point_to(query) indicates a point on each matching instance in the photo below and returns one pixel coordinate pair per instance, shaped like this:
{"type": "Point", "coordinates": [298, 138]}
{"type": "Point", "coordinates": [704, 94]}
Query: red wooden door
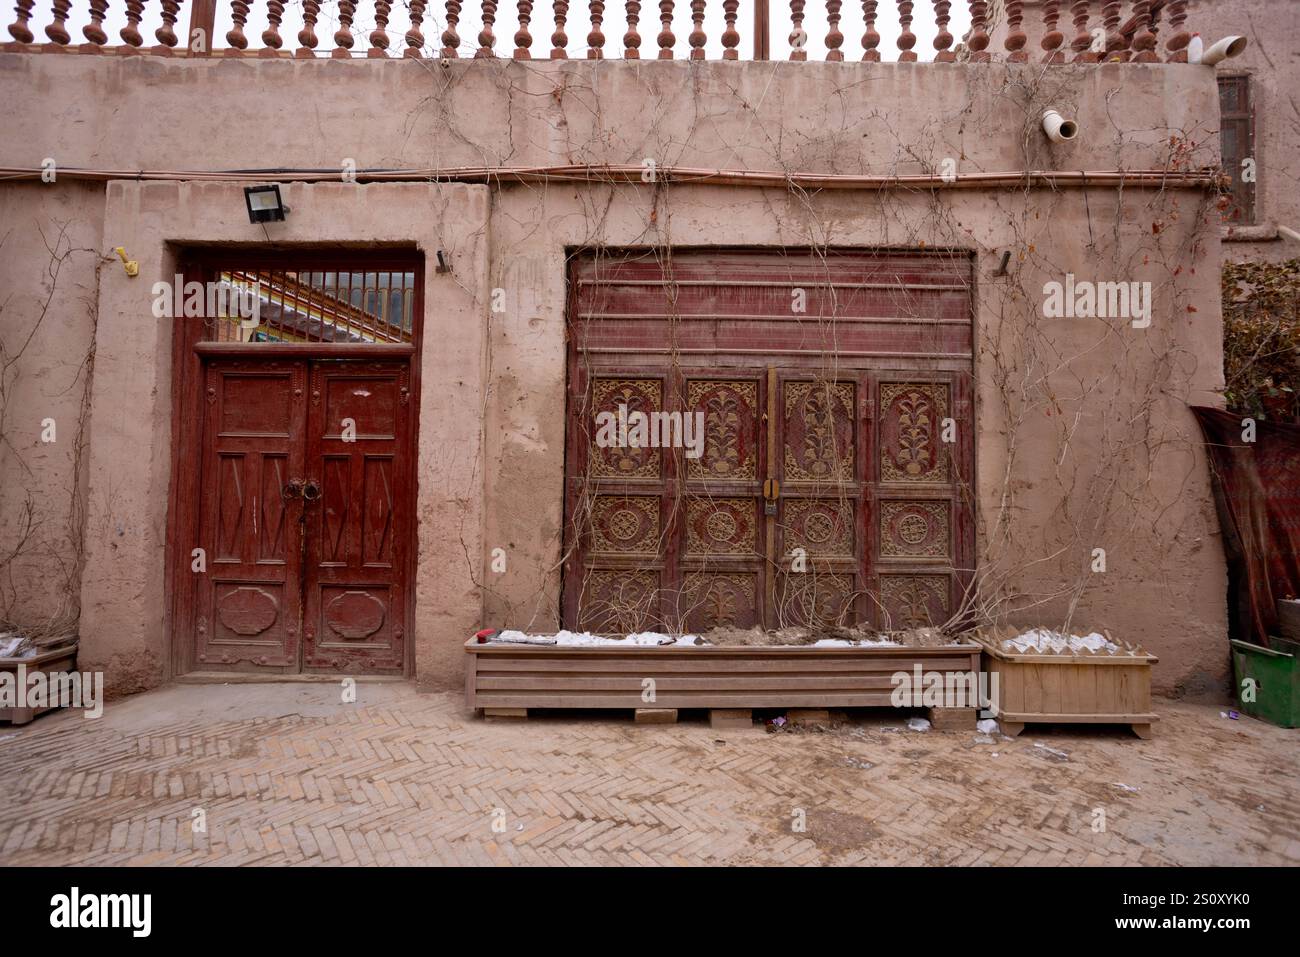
{"type": "Point", "coordinates": [249, 596]}
{"type": "Point", "coordinates": [357, 440]}
{"type": "Point", "coordinates": [303, 515]}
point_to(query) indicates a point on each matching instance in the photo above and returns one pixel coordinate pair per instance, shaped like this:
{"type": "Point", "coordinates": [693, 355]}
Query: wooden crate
{"type": "Point", "coordinates": [59, 660]}
{"type": "Point", "coordinates": [1069, 688]}
{"type": "Point", "coordinates": [506, 680]}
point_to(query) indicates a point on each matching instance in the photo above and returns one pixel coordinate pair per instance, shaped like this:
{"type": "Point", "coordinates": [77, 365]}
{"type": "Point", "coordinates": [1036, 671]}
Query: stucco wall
{"type": "Point", "coordinates": [1064, 406]}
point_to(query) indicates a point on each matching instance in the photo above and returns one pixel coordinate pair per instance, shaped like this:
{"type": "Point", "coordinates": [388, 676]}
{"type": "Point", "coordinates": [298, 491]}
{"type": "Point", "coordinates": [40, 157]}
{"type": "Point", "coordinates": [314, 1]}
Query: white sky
{"type": "Point", "coordinates": [851, 25]}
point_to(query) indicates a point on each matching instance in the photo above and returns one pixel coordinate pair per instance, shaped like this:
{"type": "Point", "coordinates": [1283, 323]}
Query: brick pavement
{"type": "Point", "coordinates": [286, 774]}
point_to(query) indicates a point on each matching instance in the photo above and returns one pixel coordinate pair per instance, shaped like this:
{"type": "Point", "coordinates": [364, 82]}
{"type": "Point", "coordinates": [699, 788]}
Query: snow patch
{"type": "Point", "coordinates": [1044, 639]}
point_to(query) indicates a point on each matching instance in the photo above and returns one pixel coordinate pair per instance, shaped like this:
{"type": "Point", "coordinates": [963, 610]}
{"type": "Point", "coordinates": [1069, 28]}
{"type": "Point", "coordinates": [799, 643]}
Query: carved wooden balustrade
{"type": "Point", "coordinates": [943, 31]}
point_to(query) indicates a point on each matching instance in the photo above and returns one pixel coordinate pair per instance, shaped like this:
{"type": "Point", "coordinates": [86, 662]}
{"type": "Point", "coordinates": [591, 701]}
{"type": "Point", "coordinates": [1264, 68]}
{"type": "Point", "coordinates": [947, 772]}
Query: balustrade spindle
{"type": "Point", "coordinates": [870, 39]}
{"type": "Point", "coordinates": [1082, 43]}
{"type": "Point", "coordinates": [1144, 34]}
{"type": "Point", "coordinates": [450, 38]}
{"type": "Point", "coordinates": [1016, 39]}
{"type": "Point", "coordinates": [1052, 38]}
{"type": "Point", "coordinates": [1177, 44]}
{"type": "Point", "coordinates": [165, 34]}
{"type": "Point", "coordinates": [134, 14]}
{"type": "Point", "coordinates": [559, 39]}
{"type": "Point", "coordinates": [798, 35]}
{"type": "Point", "coordinates": [486, 41]}
{"type": "Point", "coordinates": [378, 38]}
{"type": "Point", "coordinates": [271, 40]}
{"type": "Point", "coordinates": [57, 30]}
{"type": "Point", "coordinates": [1115, 41]}
{"type": "Point", "coordinates": [524, 39]}
{"type": "Point", "coordinates": [307, 35]}
{"type": "Point", "coordinates": [596, 38]}
{"type": "Point", "coordinates": [730, 38]}
{"type": "Point", "coordinates": [696, 38]}
{"type": "Point", "coordinates": [415, 36]}
{"type": "Point", "coordinates": [943, 40]}
{"type": "Point", "coordinates": [235, 35]}
{"type": "Point", "coordinates": [834, 39]}
{"type": "Point", "coordinates": [666, 38]}
{"type": "Point", "coordinates": [94, 30]}
{"type": "Point", "coordinates": [20, 29]}
{"type": "Point", "coordinates": [979, 34]}
{"type": "Point", "coordinates": [343, 39]}
{"type": "Point", "coordinates": [906, 38]}
{"type": "Point", "coordinates": [632, 39]}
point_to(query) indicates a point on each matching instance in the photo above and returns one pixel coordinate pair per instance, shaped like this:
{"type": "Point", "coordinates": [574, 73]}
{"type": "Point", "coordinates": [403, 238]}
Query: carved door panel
{"type": "Point", "coordinates": [248, 594]}
{"type": "Point", "coordinates": [619, 506]}
{"type": "Point", "coordinates": [719, 552]}
{"type": "Point", "coordinates": [921, 527]}
{"type": "Point", "coordinates": [357, 517]}
{"type": "Point", "coordinates": [819, 523]}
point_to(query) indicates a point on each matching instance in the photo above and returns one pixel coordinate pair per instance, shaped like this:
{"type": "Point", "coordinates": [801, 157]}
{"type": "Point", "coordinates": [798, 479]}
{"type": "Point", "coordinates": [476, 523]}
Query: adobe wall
{"type": "Point", "coordinates": [1084, 437]}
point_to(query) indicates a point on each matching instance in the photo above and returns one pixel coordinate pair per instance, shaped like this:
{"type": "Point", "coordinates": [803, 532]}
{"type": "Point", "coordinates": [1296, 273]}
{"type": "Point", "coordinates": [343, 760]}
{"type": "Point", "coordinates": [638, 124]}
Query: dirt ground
{"type": "Point", "coordinates": [288, 774]}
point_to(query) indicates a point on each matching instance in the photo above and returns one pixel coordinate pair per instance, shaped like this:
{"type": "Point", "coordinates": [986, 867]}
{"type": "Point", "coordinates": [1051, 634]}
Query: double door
{"type": "Point", "coordinates": [304, 508]}
{"type": "Point", "coordinates": [814, 500]}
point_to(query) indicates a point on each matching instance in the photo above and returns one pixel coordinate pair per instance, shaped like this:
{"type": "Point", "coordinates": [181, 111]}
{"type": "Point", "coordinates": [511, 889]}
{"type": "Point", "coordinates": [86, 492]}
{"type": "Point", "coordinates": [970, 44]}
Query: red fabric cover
{"type": "Point", "coordinates": [1257, 492]}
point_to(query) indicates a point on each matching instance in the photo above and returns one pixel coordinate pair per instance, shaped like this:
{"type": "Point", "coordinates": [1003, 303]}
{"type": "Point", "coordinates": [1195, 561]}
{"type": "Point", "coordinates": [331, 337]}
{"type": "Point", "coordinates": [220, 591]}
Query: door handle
{"type": "Point", "coordinates": [310, 491]}
{"type": "Point", "coordinates": [292, 489]}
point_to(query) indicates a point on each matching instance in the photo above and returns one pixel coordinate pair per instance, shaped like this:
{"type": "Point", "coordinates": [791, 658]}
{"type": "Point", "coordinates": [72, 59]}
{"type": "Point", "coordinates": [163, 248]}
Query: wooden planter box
{"type": "Point", "coordinates": [506, 679]}
{"type": "Point", "coordinates": [57, 661]}
{"type": "Point", "coordinates": [1069, 688]}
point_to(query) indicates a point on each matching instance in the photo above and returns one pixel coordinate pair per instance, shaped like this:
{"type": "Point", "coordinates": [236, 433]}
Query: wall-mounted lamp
{"type": "Point", "coordinates": [264, 204]}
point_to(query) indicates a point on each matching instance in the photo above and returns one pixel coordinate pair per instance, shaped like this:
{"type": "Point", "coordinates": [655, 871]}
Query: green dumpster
{"type": "Point", "coordinates": [1275, 677]}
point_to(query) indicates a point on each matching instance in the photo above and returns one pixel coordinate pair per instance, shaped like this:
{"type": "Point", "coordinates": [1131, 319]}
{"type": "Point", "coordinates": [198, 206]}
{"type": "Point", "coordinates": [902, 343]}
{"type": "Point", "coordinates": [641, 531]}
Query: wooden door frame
{"type": "Point", "coordinates": [189, 355]}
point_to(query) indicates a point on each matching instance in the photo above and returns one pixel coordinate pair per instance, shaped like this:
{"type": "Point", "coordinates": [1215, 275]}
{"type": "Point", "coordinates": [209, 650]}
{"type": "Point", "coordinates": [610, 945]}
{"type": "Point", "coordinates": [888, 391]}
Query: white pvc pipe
{"type": "Point", "coordinates": [1227, 47]}
{"type": "Point", "coordinates": [1058, 128]}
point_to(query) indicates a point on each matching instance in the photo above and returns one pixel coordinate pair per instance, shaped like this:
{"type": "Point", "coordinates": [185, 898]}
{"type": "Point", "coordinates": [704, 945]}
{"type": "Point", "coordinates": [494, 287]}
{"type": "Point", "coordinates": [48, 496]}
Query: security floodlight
{"type": "Point", "coordinates": [264, 204]}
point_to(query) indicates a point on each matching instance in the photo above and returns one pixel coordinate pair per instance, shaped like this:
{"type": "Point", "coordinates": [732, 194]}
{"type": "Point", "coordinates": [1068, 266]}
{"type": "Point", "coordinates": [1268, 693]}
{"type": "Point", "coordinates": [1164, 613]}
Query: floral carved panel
{"type": "Point", "coordinates": [819, 600]}
{"type": "Point", "coordinates": [615, 601]}
{"type": "Point", "coordinates": [721, 600]}
{"type": "Point", "coordinates": [631, 395]}
{"type": "Point", "coordinates": [730, 429]}
{"type": "Point", "coordinates": [915, 529]}
{"type": "Point", "coordinates": [819, 431]}
{"type": "Point", "coordinates": [911, 432]}
{"type": "Point", "coordinates": [721, 526]}
{"type": "Point", "coordinates": [915, 601]}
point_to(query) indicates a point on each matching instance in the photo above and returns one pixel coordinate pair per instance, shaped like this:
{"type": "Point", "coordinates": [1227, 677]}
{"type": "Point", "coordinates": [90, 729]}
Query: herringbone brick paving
{"type": "Point", "coordinates": [287, 774]}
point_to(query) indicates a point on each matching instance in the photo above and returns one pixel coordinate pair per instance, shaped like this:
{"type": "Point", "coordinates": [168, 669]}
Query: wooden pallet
{"type": "Point", "coordinates": [1069, 688]}
{"type": "Point", "coordinates": [504, 679]}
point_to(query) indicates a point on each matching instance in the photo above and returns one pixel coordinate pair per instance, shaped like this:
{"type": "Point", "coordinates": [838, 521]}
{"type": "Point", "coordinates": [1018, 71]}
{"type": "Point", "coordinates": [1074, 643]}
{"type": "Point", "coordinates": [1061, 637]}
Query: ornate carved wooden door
{"type": "Point", "coordinates": [303, 510]}
{"type": "Point", "coordinates": [833, 484]}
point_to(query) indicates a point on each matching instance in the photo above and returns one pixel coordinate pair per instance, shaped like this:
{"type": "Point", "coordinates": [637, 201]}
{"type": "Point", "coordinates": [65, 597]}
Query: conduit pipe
{"type": "Point", "coordinates": [633, 174]}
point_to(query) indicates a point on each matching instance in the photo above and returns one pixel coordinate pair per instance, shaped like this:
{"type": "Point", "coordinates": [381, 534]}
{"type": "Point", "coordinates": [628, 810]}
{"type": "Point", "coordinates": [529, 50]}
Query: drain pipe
{"type": "Point", "coordinates": [1058, 128]}
{"type": "Point", "coordinates": [1223, 49]}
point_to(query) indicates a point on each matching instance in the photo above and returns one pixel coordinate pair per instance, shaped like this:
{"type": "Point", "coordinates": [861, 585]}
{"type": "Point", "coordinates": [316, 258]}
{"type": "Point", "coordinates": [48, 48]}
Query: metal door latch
{"type": "Point", "coordinates": [771, 492]}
